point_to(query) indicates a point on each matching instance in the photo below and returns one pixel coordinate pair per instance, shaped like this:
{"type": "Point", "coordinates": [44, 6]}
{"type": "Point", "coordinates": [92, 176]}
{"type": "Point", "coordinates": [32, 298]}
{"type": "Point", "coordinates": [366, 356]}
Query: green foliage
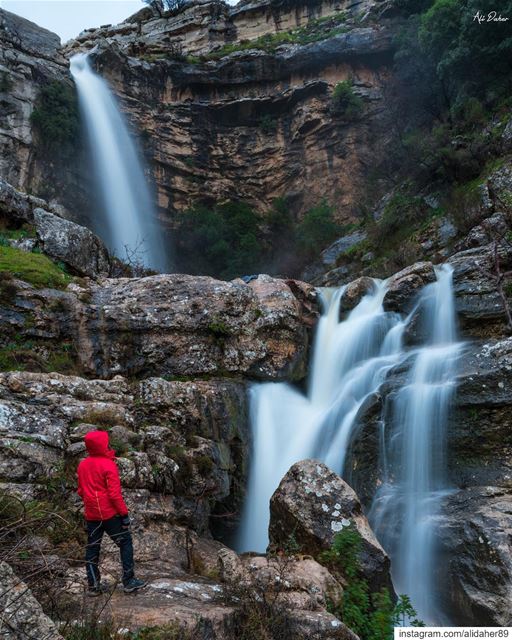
{"type": "Point", "coordinates": [472, 58]}
{"type": "Point", "coordinates": [268, 124]}
{"type": "Point", "coordinates": [404, 614]}
{"type": "Point", "coordinates": [317, 230]}
{"type": "Point", "coordinates": [345, 101]}
{"type": "Point", "coordinates": [35, 268]}
{"type": "Point", "coordinates": [56, 117]}
{"type": "Point", "coordinates": [6, 83]}
{"type": "Point", "coordinates": [370, 616]}
{"type": "Point", "coordinates": [220, 241]}
{"type": "Point", "coordinates": [231, 239]}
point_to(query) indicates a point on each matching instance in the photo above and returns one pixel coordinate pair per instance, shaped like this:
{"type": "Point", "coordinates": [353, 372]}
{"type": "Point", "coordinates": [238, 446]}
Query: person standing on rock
{"type": "Point", "coordinates": [105, 511]}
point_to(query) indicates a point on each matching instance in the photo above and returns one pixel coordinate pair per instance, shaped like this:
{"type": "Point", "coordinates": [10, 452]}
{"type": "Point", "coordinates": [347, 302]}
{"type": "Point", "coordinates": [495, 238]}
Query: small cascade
{"type": "Point", "coordinates": [415, 453]}
{"type": "Point", "coordinates": [351, 360]}
{"type": "Point", "coordinates": [130, 226]}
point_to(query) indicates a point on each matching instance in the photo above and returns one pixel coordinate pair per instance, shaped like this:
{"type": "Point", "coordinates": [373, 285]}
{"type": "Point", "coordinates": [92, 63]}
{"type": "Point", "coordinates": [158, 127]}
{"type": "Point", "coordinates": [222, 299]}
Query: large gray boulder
{"type": "Point", "coordinates": [71, 243]}
{"type": "Point", "coordinates": [55, 235]}
{"type": "Point", "coordinates": [312, 504]}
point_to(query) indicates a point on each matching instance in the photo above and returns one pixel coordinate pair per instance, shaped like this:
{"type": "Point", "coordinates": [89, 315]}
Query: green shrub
{"type": "Point", "coordinates": [56, 117]}
{"type": "Point", "coordinates": [345, 101]}
{"type": "Point", "coordinates": [370, 616]}
{"type": "Point", "coordinates": [268, 124]}
{"type": "Point", "coordinates": [317, 230]}
{"type": "Point", "coordinates": [34, 268]}
{"type": "Point", "coordinates": [222, 240]}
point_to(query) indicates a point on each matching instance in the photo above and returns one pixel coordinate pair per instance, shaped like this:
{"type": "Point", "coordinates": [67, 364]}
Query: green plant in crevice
{"type": "Point", "coordinates": [372, 616]}
{"type": "Point", "coordinates": [345, 101]}
{"type": "Point", "coordinates": [56, 117]}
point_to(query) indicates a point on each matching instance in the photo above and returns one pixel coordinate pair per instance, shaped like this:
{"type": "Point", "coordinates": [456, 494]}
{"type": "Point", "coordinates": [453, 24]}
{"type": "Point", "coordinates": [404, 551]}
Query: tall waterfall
{"type": "Point", "coordinates": [130, 228]}
{"type": "Point", "coordinates": [351, 360]}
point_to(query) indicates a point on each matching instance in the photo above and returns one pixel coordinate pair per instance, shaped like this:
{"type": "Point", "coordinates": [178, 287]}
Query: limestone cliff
{"type": "Point", "coordinates": [253, 125]}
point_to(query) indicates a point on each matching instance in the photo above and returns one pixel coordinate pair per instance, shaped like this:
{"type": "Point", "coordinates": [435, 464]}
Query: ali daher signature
{"type": "Point", "coordinates": [492, 16]}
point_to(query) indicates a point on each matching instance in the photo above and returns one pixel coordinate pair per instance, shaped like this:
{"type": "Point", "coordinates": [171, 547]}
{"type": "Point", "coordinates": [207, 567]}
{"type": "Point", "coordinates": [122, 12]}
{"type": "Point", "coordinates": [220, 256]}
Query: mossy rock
{"type": "Point", "coordinates": [35, 268]}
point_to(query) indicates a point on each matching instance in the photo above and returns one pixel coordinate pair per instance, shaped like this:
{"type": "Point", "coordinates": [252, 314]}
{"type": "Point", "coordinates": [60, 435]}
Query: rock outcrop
{"type": "Point", "coordinates": [21, 615]}
{"type": "Point", "coordinates": [173, 325]}
{"type": "Point", "coordinates": [311, 505]}
{"type": "Point", "coordinates": [53, 233]}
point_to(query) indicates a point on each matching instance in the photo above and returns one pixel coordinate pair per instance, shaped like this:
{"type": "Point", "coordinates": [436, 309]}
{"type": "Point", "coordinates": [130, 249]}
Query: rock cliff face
{"type": "Point", "coordinates": [254, 125]}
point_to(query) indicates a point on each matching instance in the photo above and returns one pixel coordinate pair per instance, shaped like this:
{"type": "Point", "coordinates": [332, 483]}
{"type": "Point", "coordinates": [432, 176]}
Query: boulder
{"type": "Point", "coordinates": [71, 243]}
{"type": "Point", "coordinates": [475, 576]}
{"type": "Point", "coordinates": [21, 614]}
{"type": "Point", "coordinates": [404, 286]}
{"type": "Point", "coordinates": [312, 504]}
{"type": "Point", "coordinates": [355, 292]}
{"type": "Point", "coordinates": [76, 246]}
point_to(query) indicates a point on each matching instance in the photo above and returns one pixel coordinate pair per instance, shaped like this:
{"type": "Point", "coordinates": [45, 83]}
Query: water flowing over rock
{"type": "Point", "coordinates": [311, 505]}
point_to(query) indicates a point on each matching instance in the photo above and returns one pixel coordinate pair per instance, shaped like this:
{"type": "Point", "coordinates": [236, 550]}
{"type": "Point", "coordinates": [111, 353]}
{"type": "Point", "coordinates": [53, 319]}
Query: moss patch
{"type": "Point", "coordinates": [34, 268]}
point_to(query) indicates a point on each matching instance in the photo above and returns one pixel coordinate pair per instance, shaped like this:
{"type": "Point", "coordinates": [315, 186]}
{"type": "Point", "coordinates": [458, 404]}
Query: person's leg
{"type": "Point", "coordinates": [123, 539]}
{"type": "Point", "coordinates": [92, 553]}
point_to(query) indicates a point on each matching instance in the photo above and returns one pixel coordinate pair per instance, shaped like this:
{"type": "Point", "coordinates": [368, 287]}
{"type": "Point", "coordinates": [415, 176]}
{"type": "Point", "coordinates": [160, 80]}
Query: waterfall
{"type": "Point", "coordinates": [130, 227]}
{"type": "Point", "coordinates": [351, 359]}
{"type": "Point", "coordinates": [415, 453]}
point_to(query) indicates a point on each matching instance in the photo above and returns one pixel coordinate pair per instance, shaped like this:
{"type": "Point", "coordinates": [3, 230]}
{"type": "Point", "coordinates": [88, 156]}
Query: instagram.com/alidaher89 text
{"type": "Point", "coordinates": [465, 633]}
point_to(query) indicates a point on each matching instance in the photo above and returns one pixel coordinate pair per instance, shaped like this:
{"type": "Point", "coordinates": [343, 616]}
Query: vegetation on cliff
{"type": "Point", "coordinates": [227, 241]}
{"type": "Point", "coordinates": [56, 117]}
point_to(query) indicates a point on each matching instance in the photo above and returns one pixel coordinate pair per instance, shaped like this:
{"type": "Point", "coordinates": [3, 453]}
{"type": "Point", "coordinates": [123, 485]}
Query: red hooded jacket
{"type": "Point", "coordinates": [99, 485]}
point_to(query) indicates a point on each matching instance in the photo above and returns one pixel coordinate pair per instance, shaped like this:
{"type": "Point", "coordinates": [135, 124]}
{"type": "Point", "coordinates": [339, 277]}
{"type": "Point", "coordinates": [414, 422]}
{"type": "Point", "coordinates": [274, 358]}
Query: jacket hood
{"type": "Point", "coordinates": [96, 443]}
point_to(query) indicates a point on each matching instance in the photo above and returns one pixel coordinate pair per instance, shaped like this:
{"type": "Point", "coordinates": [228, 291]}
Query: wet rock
{"type": "Point", "coordinates": [22, 615]}
{"type": "Point", "coordinates": [475, 577]}
{"type": "Point", "coordinates": [355, 291]}
{"type": "Point", "coordinates": [480, 426]}
{"type": "Point", "coordinates": [330, 256]}
{"type": "Point", "coordinates": [404, 286]}
{"type": "Point", "coordinates": [182, 325]}
{"type": "Point", "coordinates": [313, 504]}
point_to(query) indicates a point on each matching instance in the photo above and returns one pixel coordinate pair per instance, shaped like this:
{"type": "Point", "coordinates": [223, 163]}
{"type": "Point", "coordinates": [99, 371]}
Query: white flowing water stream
{"type": "Point", "coordinates": [351, 360]}
{"type": "Point", "coordinates": [130, 227]}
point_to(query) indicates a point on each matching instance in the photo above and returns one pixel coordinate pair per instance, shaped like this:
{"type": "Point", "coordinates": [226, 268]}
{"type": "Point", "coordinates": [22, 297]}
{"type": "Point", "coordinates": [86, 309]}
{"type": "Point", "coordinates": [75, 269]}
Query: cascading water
{"type": "Point", "coordinates": [351, 360]}
{"type": "Point", "coordinates": [130, 228]}
{"type": "Point", "coordinates": [414, 449]}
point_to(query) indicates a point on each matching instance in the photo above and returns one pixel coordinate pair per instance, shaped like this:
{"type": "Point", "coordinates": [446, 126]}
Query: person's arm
{"type": "Point", "coordinates": [114, 489]}
{"type": "Point", "coordinates": [80, 490]}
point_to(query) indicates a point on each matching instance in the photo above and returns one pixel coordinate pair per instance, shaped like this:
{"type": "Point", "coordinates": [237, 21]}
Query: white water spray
{"type": "Point", "coordinates": [130, 228]}
{"type": "Point", "coordinates": [350, 362]}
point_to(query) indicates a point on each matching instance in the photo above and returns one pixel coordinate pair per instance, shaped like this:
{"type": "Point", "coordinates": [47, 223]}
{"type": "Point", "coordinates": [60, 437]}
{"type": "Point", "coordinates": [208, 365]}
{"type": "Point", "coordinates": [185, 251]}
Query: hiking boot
{"type": "Point", "coordinates": [134, 584]}
{"type": "Point", "coordinates": [93, 592]}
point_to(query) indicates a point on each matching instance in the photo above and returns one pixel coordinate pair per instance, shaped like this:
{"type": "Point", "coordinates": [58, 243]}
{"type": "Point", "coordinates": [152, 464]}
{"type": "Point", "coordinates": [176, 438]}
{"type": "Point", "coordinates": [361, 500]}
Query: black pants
{"type": "Point", "coordinates": [121, 537]}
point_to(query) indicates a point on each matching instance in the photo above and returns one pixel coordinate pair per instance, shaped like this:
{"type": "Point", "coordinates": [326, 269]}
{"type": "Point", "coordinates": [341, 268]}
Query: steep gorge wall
{"type": "Point", "coordinates": [254, 125]}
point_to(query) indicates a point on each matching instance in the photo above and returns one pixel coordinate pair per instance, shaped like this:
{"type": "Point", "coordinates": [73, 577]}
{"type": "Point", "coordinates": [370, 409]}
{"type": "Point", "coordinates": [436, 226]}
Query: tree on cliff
{"type": "Point", "coordinates": [161, 6]}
